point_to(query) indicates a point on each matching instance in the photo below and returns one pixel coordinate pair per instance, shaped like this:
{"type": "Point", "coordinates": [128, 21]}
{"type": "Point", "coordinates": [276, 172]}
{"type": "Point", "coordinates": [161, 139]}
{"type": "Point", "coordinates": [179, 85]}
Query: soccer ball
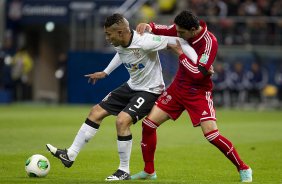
{"type": "Point", "coordinates": [37, 166]}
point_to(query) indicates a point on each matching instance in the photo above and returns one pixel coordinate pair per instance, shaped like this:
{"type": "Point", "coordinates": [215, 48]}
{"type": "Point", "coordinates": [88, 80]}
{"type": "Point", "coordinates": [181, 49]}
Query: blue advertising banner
{"type": "Point", "coordinates": [82, 63]}
{"type": "Point", "coordinates": [35, 11]}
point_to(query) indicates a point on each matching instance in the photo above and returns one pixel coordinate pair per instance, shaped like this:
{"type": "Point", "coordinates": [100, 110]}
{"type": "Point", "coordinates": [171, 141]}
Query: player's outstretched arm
{"type": "Point", "coordinates": [177, 49]}
{"type": "Point", "coordinates": [95, 76]}
{"type": "Point", "coordinates": [186, 48]}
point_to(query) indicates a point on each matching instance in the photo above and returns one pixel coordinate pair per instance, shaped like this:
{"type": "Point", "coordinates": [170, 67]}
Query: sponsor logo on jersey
{"type": "Point", "coordinates": [157, 38]}
{"type": "Point", "coordinates": [134, 67]}
{"type": "Point", "coordinates": [204, 58]}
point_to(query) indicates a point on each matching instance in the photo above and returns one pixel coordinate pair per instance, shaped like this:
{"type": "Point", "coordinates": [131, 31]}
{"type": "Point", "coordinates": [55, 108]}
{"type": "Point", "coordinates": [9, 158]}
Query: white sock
{"type": "Point", "coordinates": [84, 134]}
{"type": "Point", "coordinates": [124, 151]}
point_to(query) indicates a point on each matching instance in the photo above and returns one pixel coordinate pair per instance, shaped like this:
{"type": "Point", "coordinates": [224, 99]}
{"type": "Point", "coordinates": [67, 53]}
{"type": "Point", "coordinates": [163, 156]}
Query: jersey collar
{"type": "Point", "coordinates": [201, 34]}
{"type": "Point", "coordinates": [130, 41]}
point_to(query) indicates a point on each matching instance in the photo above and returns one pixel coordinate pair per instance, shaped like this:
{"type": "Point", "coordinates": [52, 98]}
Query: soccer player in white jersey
{"type": "Point", "coordinates": [132, 100]}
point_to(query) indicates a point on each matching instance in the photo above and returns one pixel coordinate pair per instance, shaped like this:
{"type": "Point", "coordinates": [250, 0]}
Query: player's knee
{"type": "Point", "coordinates": [212, 135]}
{"type": "Point", "coordinates": [123, 122]}
{"type": "Point", "coordinates": [97, 114]}
{"type": "Point", "coordinates": [148, 126]}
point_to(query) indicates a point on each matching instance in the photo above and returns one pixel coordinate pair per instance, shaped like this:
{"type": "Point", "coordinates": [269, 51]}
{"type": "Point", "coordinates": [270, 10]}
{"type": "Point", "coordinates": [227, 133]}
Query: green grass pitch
{"type": "Point", "coordinates": [183, 155]}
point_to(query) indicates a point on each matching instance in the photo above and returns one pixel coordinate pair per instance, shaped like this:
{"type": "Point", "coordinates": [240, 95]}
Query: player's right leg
{"type": "Point", "coordinates": [144, 176]}
{"type": "Point", "coordinates": [86, 132]}
{"type": "Point", "coordinates": [226, 147]}
{"type": "Point", "coordinates": [135, 109]}
{"type": "Point", "coordinates": [61, 154]}
{"type": "Point", "coordinates": [246, 175]}
{"type": "Point", "coordinates": [149, 142]}
{"type": "Point", "coordinates": [124, 144]}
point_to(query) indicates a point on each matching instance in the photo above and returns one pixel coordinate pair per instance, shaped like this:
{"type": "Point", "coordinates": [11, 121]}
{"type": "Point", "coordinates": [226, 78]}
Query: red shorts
{"type": "Point", "coordinates": [199, 104]}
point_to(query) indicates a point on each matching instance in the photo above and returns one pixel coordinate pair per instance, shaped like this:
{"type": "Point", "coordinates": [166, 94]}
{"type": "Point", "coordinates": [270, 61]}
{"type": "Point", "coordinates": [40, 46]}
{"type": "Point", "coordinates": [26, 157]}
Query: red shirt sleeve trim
{"type": "Point", "coordinates": [183, 57]}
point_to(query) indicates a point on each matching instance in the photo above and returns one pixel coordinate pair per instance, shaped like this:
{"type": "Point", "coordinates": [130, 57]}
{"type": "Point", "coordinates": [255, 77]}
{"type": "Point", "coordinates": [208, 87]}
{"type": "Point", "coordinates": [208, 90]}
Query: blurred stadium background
{"type": "Point", "coordinates": [47, 46]}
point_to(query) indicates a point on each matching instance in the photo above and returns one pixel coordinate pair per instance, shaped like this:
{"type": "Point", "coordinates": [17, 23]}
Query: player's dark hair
{"type": "Point", "coordinates": [187, 20]}
{"type": "Point", "coordinates": [113, 19]}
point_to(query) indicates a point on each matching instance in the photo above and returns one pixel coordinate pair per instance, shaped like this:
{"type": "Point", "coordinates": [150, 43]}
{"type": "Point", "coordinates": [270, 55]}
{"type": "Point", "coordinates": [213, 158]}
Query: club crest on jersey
{"type": "Point", "coordinates": [137, 53]}
{"type": "Point", "coordinates": [204, 58]}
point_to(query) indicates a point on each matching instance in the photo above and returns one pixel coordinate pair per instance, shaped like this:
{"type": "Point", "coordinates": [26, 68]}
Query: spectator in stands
{"type": "Point", "coordinates": [61, 75]}
{"type": "Point", "coordinates": [232, 6]}
{"type": "Point", "coordinates": [2, 65]}
{"type": "Point", "coordinates": [167, 7]}
{"type": "Point", "coordinates": [219, 78]}
{"type": "Point", "coordinates": [217, 8]}
{"type": "Point", "coordinates": [278, 83]}
{"type": "Point", "coordinates": [264, 7]}
{"type": "Point", "coordinates": [241, 30]}
{"type": "Point", "coordinates": [255, 81]}
{"type": "Point", "coordinates": [22, 66]}
{"type": "Point", "coordinates": [147, 12]}
{"type": "Point", "coordinates": [275, 9]}
{"type": "Point", "coordinates": [5, 61]}
{"type": "Point", "coordinates": [248, 8]}
{"type": "Point", "coordinates": [199, 7]}
{"type": "Point", "coordinates": [236, 84]}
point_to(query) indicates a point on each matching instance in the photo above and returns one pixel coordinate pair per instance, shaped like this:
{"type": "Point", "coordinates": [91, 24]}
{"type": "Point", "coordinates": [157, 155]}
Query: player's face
{"type": "Point", "coordinates": [184, 33]}
{"type": "Point", "coordinates": [113, 36]}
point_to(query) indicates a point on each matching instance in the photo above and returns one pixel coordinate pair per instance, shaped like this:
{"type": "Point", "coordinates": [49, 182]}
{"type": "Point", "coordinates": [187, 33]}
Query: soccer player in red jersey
{"type": "Point", "coordinates": [191, 90]}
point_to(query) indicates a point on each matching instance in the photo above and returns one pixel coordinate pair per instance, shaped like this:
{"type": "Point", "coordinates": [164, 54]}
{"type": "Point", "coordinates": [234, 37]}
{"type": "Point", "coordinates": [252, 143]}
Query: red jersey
{"type": "Point", "coordinates": [188, 75]}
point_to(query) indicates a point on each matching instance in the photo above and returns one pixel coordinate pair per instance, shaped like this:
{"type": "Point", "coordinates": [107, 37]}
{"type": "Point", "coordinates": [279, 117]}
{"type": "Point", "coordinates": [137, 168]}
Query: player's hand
{"type": "Point", "coordinates": [211, 71]}
{"type": "Point", "coordinates": [95, 76]}
{"type": "Point", "coordinates": [142, 27]}
{"type": "Point", "coordinates": [176, 48]}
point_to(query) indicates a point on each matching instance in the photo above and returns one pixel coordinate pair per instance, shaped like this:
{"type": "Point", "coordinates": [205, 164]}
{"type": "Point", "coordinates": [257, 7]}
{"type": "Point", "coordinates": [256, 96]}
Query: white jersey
{"type": "Point", "coordinates": [142, 61]}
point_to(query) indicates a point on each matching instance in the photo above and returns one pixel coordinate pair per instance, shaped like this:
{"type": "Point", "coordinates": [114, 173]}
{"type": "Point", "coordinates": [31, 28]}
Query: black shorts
{"type": "Point", "coordinates": [136, 103]}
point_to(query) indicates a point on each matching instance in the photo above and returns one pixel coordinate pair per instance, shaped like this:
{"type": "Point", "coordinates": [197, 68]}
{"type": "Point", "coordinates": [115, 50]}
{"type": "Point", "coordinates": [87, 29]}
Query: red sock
{"type": "Point", "coordinates": [226, 147]}
{"type": "Point", "coordinates": [148, 144]}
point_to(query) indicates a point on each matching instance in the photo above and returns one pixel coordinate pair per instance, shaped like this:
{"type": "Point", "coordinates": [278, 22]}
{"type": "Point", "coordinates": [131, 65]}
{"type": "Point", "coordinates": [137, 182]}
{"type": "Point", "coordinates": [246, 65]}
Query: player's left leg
{"type": "Point", "coordinates": [124, 144]}
{"type": "Point", "coordinates": [86, 132]}
{"type": "Point", "coordinates": [149, 142]}
{"type": "Point", "coordinates": [212, 134]}
{"type": "Point", "coordinates": [167, 107]}
{"type": "Point", "coordinates": [201, 110]}
{"type": "Point", "coordinates": [139, 106]}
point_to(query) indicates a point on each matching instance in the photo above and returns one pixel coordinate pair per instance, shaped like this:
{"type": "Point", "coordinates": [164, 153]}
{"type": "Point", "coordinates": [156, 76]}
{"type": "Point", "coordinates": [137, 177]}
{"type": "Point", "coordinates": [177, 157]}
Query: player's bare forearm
{"type": "Point", "coordinates": [95, 76]}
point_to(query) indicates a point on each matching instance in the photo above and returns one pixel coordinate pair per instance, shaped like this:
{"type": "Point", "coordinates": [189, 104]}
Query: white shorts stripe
{"type": "Point", "coordinates": [210, 104]}
{"type": "Point", "coordinates": [207, 118]}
